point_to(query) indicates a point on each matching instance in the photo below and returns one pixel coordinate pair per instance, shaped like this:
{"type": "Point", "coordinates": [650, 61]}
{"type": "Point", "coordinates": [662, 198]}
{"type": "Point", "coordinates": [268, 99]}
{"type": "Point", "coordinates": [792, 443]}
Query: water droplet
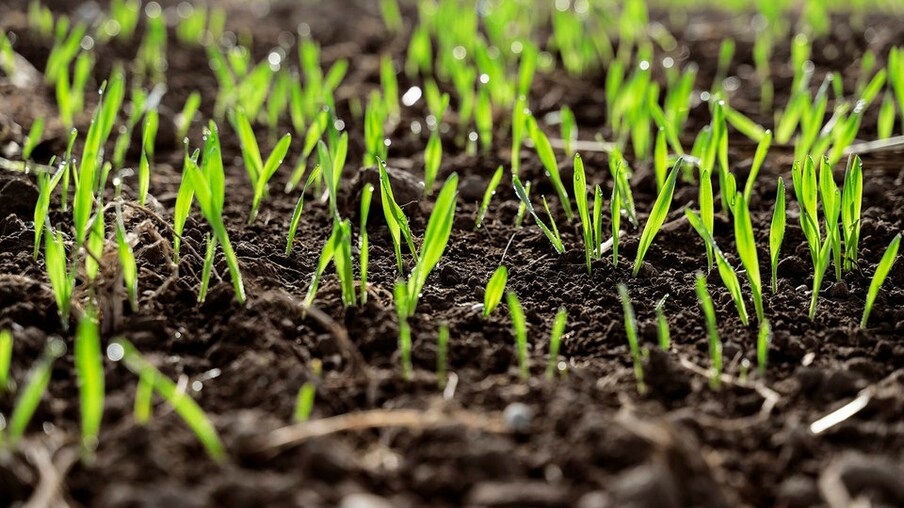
{"type": "Point", "coordinates": [115, 352]}
{"type": "Point", "coordinates": [411, 96]}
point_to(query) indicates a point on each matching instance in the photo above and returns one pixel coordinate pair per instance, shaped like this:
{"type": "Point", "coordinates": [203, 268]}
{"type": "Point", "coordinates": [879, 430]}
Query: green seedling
{"type": "Point", "coordinates": [182, 404]}
{"type": "Point", "coordinates": [312, 136]}
{"type": "Point", "coordinates": [777, 232]}
{"type": "Point", "coordinates": [522, 207]}
{"type": "Point", "coordinates": [363, 247]}
{"type": "Point", "coordinates": [6, 356]}
{"type": "Point", "coordinates": [185, 118]}
{"type": "Point", "coordinates": [34, 137]}
{"type": "Point", "coordinates": [396, 220]}
{"type": "Point", "coordinates": [662, 325]}
{"type": "Point", "coordinates": [439, 230]}
{"type": "Point", "coordinates": [488, 196]}
{"type": "Point", "coordinates": [882, 270]}
{"type": "Point", "coordinates": [147, 154]}
{"type": "Point", "coordinates": [712, 330]}
{"type": "Point", "coordinates": [304, 403]}
{"type": "Point", "coordinates": [33, 390]}
{"type": "Point", "coordinates": [552, 234]}
{"type": "Point", "coordinates": [259, 172]}
{"type": "Point", "coordinates": [401, 301]}
{"type": "Point", "coordinates": [207, 269]}
{"type": "Point", "coordinates": [299, 207]}
{"type": "Point", "coordinates": [726, 272]}
{"type": "Point", "coordinates": [657, 217]}
{"type": "Point", "coordinates": [208, 184]}
{"type": "Point", "coordinates": [555, 339]}
{"type": "Point", "coordinates": [851, 205]}
{"type": "Point", "coordinates": [758, 158]}
{"type": "Point", "coordinates": [548, 158]}
{"type": "Point", "coordinates": [89, 367]}
{"type": "Point", "coordinates": [126, 260]}
{"type": "Point", "coordinates": [442, 348]}
{"type": "Point", "coordinates": [569, 129]}
{"type": "Point", "coordinates": [494, 290]}
{"type": "Point", "coordinates": [631, 332]}
{"type": "Point", "coordinates": [580, 199]}
{"type": "Point", "coordinates": [483, 117]}
{"type": "Point", "coordinates": [519, 122]}
{"type": "Point", "coordinates": [62, 277]}
{"type": "Point", "coordinates": [519, 326]}
{"type": "Point", "coordinates": [433, 156]}
{"type": "Point", "coordinates": [746, 244]}
{"type": "Point", "coordinates": [764, 337]}
{"type": "Point", "coordinates": [392, 15]}
{"type": "Point", "coordinates": [184, 198]}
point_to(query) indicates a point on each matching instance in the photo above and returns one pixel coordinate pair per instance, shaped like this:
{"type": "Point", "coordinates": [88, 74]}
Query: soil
{"type": "Point", "coordinates": [585, 439]}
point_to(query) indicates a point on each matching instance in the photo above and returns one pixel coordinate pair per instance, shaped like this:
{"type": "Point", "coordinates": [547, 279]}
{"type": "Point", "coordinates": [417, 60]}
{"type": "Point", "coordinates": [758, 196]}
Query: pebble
{"type": "Point", "coordinates": [793, 267]}
{"type": "Point", "coordinates": [518, 417]}
{"type": "Point", "coordinates": [471, 188]}
{"type": "Point", "coordinates": [839, 291]}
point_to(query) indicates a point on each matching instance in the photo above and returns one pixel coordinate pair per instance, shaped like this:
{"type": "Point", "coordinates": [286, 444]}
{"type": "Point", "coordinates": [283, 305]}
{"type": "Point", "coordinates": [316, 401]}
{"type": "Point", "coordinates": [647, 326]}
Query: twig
{"type": "Point", "coordinates": [294, 435]}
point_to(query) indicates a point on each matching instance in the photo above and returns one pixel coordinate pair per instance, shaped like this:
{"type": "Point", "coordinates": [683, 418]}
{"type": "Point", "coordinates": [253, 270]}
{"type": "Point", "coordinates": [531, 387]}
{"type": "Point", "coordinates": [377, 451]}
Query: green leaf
{"type": "Point", "coordinates": [657, 216]}
{"type": "Point", "coordinates": [519, 325]}
{"type": "Point", "coordinates": [439, 229]}
{"type": "Point", "coordinates": [631, 333]}
{"type": "Point", "coordinates": [746, 243]}
{"type": "Point", "coordinates": [488, 196]}
{"type": "Point", "coordinates": [580, 199]}
{"type": "Point", "coordinates": [882, 270]}
{"type": "Point", "coordinates": [555, 339]}
{"type": "Point", "coordinates": [89, 367]}
{"type": "Point", "coordinates": [777, 231]}
{"type": "Point", "coordinates": [715, 343]}
{"type": "Point", "coordinates": [494, 290]}
{"type": "Point", "coordinates": [544, 151]}
{"type": "Point", "coordinates": [33, 390]}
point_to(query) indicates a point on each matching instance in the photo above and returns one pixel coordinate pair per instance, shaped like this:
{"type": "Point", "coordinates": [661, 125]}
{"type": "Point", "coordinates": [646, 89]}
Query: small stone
{"type": "Point", "coordinates": [517, 417]}
{"type": "Point", "coordinates": [472, 188]}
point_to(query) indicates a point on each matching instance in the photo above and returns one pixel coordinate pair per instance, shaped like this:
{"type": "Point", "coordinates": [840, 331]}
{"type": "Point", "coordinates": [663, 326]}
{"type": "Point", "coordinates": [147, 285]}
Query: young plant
{"type": "Point", "coordinates": [396, 220]}
{"type": "Point", "coordinates": [6, 356]}
{"type": "Point", "coordinates": [299, 207]}
{"type": "Point", "coordinates": [726, 272]}
{"type": "Point", "coordinates": [304, 402]}
{"type": "Point", "coordinates": [207, 268]}
{"type": "Point", "coordinates": [183, 405]}
{"type": "Point", "coordinates": [442, 348]}
{"type": "Point", "coordinates": [62, 278]}
{"type": "Point", "coordinates": [147, 154]}
{"type": "Point", "coordinates": [555, 339]}
{"type": "Point", "coordinates": [885, 264]}
{"type": "Point", "coordinates": [580, 199]}
{"type": "Point", "coordinates": [851, 204]}
{"type": "Point", "coordinates": [89, 366]}
{"type": "Point", "coordinates": [494, 290]}
{"type": "Point", "coordinates": [189, 110]}
{"type": "Point", "coordinates": [487, 197]}
{"type": "Point", "coordinates": [363, 247]}
{"type": "Point", "coordinates": [715, 343]}
{"type": "Point", "coordinates": [34, 137]}
{"type": "Point", "coordinates": [764, 337]}
{"type": "Point", "coordinates": [552, 234]}
{"type": "Point", "coordinates": [746, 244]}
{"type": "Point", "coordinates": [184, 197]}
{"type": "Point", "coordinates": [439, 229]}
{"type": "Point", "coordinates": [615, 205]}
{"type": "Point", "coordinates": [33, 390]}
{"type": "Point", "coordinates": [758, 158]}
{"type": "Point", "coordinates": [519, 326]}
{"type": "Point", "coordinates": [433, 156]}
{"type": "Point", "coordinates": [208, 184]}
{"type": "Point", "coordinates": [126, 260]}
{"type": "Point", "coordinates": [631, 332]}
{"type": "Point", "coordinates": [400, 294]}
{"type": "Point", "coordinates": [548, 158]}
{"type": "Point", "coordinates": [657, 217]}
{"type": "Point", "coordinates": [662, 325]}
{"type": "Point", "coordinates": [259, 172]}
{"type": "Point", "coordinates": [569, 129]}
{"type": "Point", "coordinates": [819, 272]}
{"type": "Point", "coordinates": [777, 232]}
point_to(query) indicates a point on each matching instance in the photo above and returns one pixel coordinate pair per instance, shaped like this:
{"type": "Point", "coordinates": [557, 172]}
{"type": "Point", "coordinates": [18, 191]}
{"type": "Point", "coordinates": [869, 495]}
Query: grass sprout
{"type": "Point", "coordinates": [777, 231]}
{"type": "Point", "coordinates": [363, 247]}
{"type": "Point", "coordinates": [552, 234]}
{"type": "Point", "coordinates": [6, 356]}
{"type": "Point", "coordinates": [712, 330]}
{"type": "Point", "coordinates": [62, 277]}
{"type": "Point", "coordinates": [439, 229]}
{"type": "Point", "coordinates": [208, 185]}
{"type": "Point", "coordinates": [662, 324]}
{"type": "Point", "coordinates": [764, 337]}
{"type": "Point", "coordinates": [746, 244]}
{"type": "Point", "coordinates": [548, 158]}
{"type": "Point", "coordinates": [189, 410]}
{"type": "Point", "coordinates": [442, 348]}
{"type": "Point", "coordinates": [126, 260]}
{"type": "Point", "coordinates": [89, 366]}
{"type": "Point", "coordinates": [882, 270]}
{"type": "Point", "coordinates": [555, 340]}
{"type": "Point", "coordinates": [433, 156]}
{"type": "Point", "coordinates": [488, 196]}
{"type": "Point", "coordinates": [519, 326]}
{"type": "Point", "coordinates": [149, 136]}
{"type": "Point", "coordinates": [304, 402]}
{"type": "Point", "coordinates": [33, 390]}
{"type": "Point", "coordinates": [631, 332]}
{"type": "Point", "coordinates": [400, 295]}
{"type": "Point", "coordinates": [726, 272]}
{"type": "Point", "coordinates": [657, 217]}
{"type": "Point", "coordinates": [851, 205]}
{"type": "Point", "coordinates": [396, 220]}
{"type": "Point", "coordinates": [494, 290]}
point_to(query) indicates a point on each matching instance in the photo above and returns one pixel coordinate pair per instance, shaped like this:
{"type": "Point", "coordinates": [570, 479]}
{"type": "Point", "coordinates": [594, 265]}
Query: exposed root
{"type": "Point", "coordinates": [52, 470]}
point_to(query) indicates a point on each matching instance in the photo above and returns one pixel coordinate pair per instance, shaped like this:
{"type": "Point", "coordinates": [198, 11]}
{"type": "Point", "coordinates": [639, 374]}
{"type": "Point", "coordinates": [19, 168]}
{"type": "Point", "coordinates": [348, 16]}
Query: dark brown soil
{"type": "Point", "coordinates": [590, 439]}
